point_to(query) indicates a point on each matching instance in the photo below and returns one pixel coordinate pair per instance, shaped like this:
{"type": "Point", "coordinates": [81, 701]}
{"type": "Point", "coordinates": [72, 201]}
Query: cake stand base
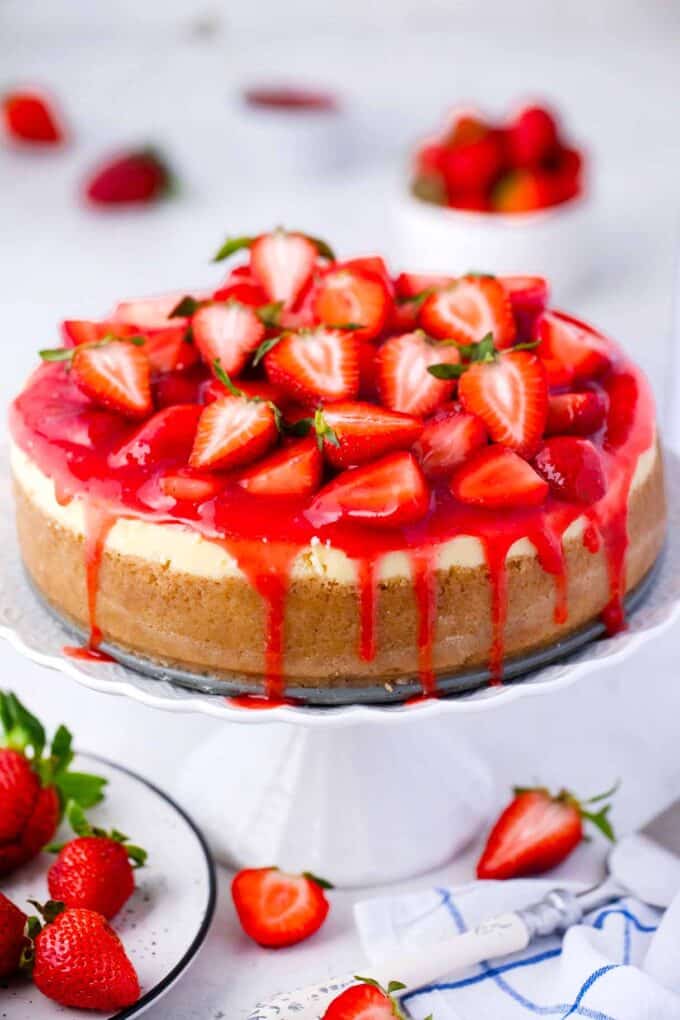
{"type": "Point", "coordinates": [359, 805]}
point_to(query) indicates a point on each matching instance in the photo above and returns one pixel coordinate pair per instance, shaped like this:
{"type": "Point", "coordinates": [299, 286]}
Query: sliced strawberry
{"type": "Point", "coordinates": [528, 299]}
{"type": "Point", "coordinates": [276, 909]}
{"type": "Point", "coordinates": [537, 831]}
{"type": "Point", "coordinates": [243, 287]}
{"type": "Point", "coordinates": [496, 478]}
{"type": "Point", "coordinates": [167, 435]}
{"type": "Point", "coordinates": [213, 389]}
{"type": "Point", "coordinates": [578, 414]}
{"type": "Point", "coordinates": [153, 312]}
{"type": "Point", "coordinates": [404, 382]}
{"type": "Point", "coordinates": [448, 439]}
{"type": "Point", "coordinates": [294, 470]}
{"type": "Point", "coordinates": [532, 137]}
{"type": "Point", "coordinates": [233, 431]}
{"type": "Point", "coordinates": [362, 1002]}
{"type": "Point", "coordinates": [190, 486]}
{"type": "Point", "coordinates": [178, 388]}
{"type": "Point", "coordinates": [168, 350]}
{"type": "Point", "coordinates": [83, 331]}
{"type": "Point", "coordinates": [356, 296]}
{"type": "Point", "coordinates": [410, 285]}
{"type": "Point", "coordinates": [385, 493]}
{"type": "Point", "coordinates": [228, 333]}
{"type": "Point", "coordinates": [579, 352]}
{"type": "Point", "coordinates": [573, 468]}
{"type": "Point", "coordinates": [368, 370]}
{"type": "Point", "coordinates": [29, 117]}
{"type": "Point", "coordinates": [354, 433]}
{"type": "Point", "coordinates": [116, 375]}
{"type": "Point", "coordinates": [282, 264]}
{"type": "Point", "coordinates": [468, 310]}
{"type": "Point", "coordinates": [510, 395]}
{"type": "Point", "coordinates": [129, 178]}
{"type": "Point", "coordinates": [316, 364]}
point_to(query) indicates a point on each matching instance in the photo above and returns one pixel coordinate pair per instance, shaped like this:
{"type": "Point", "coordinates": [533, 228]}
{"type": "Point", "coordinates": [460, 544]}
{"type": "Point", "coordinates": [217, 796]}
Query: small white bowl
{"type": "Point", "coordinates": [556, 242]}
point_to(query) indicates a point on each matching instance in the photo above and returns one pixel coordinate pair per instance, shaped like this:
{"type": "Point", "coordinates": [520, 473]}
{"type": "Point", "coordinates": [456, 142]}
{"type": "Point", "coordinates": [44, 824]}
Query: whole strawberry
{"type": "Point", "coordinates": [366, 1001]}
{"type": "Point", "coordinates": [94, 870]}
{"type": "Point", "coordinates": [12, 941]}
{"type": "Point", "coordinates": [139, 177]}
{"type": "Point", "coordinates": [79, 961]}
{"type": "Point", "coordinates": [34, 785]}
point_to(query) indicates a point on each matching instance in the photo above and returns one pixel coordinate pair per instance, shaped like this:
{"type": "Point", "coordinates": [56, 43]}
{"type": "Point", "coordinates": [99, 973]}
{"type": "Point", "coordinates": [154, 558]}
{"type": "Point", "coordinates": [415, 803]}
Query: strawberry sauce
{"type": "Point", "coordinates": [79, 447]}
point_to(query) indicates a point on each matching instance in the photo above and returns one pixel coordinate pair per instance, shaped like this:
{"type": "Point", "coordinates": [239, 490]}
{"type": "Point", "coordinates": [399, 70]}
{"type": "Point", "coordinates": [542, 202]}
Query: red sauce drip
{"type": "Point", "coordinates": [88, 654]}
{"type": "Point", "coordinates": [368, 590]}
{"type": "Point", "coordinates": [425, 591]}
{"type": "Point", "coordinates": [496, 555]}
{"type": "Point", "coordinates": [98, 523]}
{"type": "Point", "coordinates": [551, 557]}
{"type": "Point", "coordinates": [254, 703]}
{"type": "Point", "coordinates": [591, 537]}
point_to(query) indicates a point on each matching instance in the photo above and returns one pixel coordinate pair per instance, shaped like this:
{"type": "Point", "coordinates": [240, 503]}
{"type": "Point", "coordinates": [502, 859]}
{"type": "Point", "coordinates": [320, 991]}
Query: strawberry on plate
{"type": "Point", "coordinates": [528, 299]}
{"type": "Point", "coordinates": [169, 350]}
{"type": "Point", "coordinates": [277, 909]}
{"type": "Point", "coordinates": [387, 492]}
{"type": "Point", "coordinates": [12, 941]}
{"type": "Point", "coordinates": [352, 432]}
{"type": "Point", "coordinates": [95, 870]}
{"type": "Point", "coordinates": [346, 295]}
{"type": "Point", "coordinates": [34, 784]}
{"type": "Point", "coordinates": [313, 365]}
{"type": "Point", "coordinates": [79, 961]}
{"type": "Point", "coordinates": [538, 830]}
{"type": "Point", "coordinates": [166, 435]}
{"type": "Point", "coordinates": [233, 430]}
{"type": "Point", "coordinates": [579, 351]}
{"type": "Point", "coordinates": [114, 373]}
{"type": "Point", "coordinates": [294, 470]}
{"type": "Point", "coordinates": [84, 331]}
{"type": "Point", "coordinates": [404, 382]}
{"type": "Point", "coordinates": [578, 414]}
{"type": "Point", "coordinates": [468, 310]}
{"type": "Point", "coordinates": [130, 178]}
{"type": "Point", "coordinates": [283, 263]}
{"type": "Point", "coordinates": [214, 388]}
{"type": "Point", "coordinates": [448, 438]}
{"type": "Point", "coordinates": [156, 312]}
{"type": "Point", "coordinates": [411, 285]}
{"type": "Point", "coordinates": [496, 478]}
{"type": "Point", "coordinates": [28, 116]}
{"type": "Point", "coordinates": [366, 1001]}
{"type": "Point", "coordinates": [508, 391]}
{"type": "Point", "coordinates": [573, 468]}
{"type": "Point", "coordinates": [230, 332]}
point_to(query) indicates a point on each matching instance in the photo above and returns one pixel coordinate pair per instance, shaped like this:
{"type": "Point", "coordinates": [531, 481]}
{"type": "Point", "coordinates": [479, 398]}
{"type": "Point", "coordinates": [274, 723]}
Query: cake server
{"type": "Point", "coordinates": [645, 865]}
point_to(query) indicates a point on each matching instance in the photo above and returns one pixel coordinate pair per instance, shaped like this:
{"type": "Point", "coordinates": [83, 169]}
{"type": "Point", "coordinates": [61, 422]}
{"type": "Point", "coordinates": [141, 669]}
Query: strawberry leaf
{"type": "Point", "coordinates": [324, 249]}
{"type": "Point", "coordinates": [84, 789]}
{"type": "Point", "coordinates": [137, 855]}
{"type": "Point", "coordinates": [184, 308]}
{"type": "Point", "coordinates": [321, 882]}
{"type": "Point", "coordinates": [446, 371]}
{"type": "Point", "coordinates": [226, 380]}
{"type": "Point", "coordinates": [269, 314]}
{"type": "Point", "coordinates": [601, 821]}
{"type": "Point", "coordinates": [57, 354]}
{"type": "Point", "coordinates": [231, 246]}
{"type": "Point", "coordinates": [301, 427]}
{"type": "Point", "coordinates": [264, 348]}
{"type": "Point", "coordinates": [22, 730]}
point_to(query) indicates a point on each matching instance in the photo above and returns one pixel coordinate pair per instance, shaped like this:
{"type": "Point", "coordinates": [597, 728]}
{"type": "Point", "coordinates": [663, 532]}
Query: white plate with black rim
{"type": "Point", "coordinates": [164, 923]}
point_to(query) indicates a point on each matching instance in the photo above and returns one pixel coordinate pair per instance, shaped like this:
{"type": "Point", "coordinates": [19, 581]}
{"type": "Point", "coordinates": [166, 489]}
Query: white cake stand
{"type": "Point", "coordinates": [361, 794]}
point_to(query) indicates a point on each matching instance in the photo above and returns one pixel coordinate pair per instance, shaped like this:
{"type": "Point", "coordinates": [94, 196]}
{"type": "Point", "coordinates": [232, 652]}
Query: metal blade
{"type": "Point", "coordinates": [664, 828]}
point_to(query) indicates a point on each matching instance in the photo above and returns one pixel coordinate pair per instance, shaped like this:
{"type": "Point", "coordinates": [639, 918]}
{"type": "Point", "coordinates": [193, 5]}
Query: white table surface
{"type": "Point", "coordinates": [148, 78]}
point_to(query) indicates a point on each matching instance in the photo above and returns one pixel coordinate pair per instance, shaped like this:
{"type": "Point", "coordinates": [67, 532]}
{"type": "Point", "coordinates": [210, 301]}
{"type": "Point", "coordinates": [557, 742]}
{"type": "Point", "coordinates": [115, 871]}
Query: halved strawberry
{"type": "Point", "coordinates": [573, 468]}
{"type": "Point", "coordinates": [368, 370]}
{"type": "Point", "coordinates": [282, 264]}
{"type": "Point", "coordinates": [243, 287]}
{"type": "Point", "coordinates": [468, 310]}
{"type": "Point", "coordinates": [168, 350]}
{"type": "Point", "coordinates": [232, 431]}
{"type": "Point", "coordinates": [84, 331]}
{"type": "Point", "coordinates": [496, 478]}
{"type": "Point", "coordinates": [117, 375]}
{"type": "Point", "coordinates": [315, 364]}
{"type": "Point", "coordinates": [354, 433]}
{"type": "Point", "coordinates": [578, 414]}
{"type": "Point", "coordinates": [365, 1001]}
{"type": "Point", "coordinates": [228, 333]}
{"type": "Point", "coordinates": [153, 312]}
{"type": "Point", "coordinates": [172, 388]}
{"type": "Point", "coordinates": [385, 493]}
{"type": "Point", "coordinates": [528, 299]}
{"type": "Point", "coordinates": [577, 350]}
{"type": "Point", "coordinates": [28, 117]}
{"type": "Point", "coordinates": [404, 382]}
{"type": "Point", "coordinates": [213, 389]}
{"type": "Point", "coordinates": [510, 394]}
{"type": "Point", "coordinates": [276, 909]}
{"type": "Point", "coordinates": [167, 435]}
{"type": "Point", "coordinates": [344, 295]}
{"type": "Point", "coordinates": [448, 438]}
{"type": "Point", "coordinates": [410, 285]}
{"type": "Point", "coordinates": [294, 470]}
{"type": "Point", "coordinates": [189, 486]}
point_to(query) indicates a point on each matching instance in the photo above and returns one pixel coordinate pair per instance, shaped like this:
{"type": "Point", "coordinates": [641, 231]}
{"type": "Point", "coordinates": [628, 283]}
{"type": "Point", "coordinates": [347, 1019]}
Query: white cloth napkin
{"type": "Point", "coordinates": [622, 963]}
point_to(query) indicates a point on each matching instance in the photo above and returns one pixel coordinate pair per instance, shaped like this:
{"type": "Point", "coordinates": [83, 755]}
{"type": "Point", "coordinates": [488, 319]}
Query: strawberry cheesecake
{"type": "Point", "coordinates": [320, 476]}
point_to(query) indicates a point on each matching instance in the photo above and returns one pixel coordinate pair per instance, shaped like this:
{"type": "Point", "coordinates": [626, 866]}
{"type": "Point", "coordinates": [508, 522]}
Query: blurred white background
{"type": "Point", "coordinates": [170, 73]}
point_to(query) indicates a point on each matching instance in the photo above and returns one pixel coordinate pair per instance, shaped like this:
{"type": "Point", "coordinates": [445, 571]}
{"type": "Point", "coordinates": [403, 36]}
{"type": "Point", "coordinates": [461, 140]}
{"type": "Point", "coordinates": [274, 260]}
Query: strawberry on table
{"type": "Point", "coordinates": [578, 414]}
{"type": "Point", "coordinates": [366, 1001]}
{"type": "Point", "coordinates": [95, 870]}
{"type": "Point", "coordinates": [79, 961]}
{"type": "Point", "coordinates": [404, 382]}
{"type": "Point", "coordinates": [352, 295]}
{"type": "Point", "coordinates": [294, 470]}
{"type": "Point", "coordinates": [12, 940]}
{"type": "Point", "coordinates": [468, 310]}
{"type": "Point", "coordinates": [229, 331]}
{"type": "Point", "coordinates": [29, 117]}
{"type": "Point", "coordinates": [232, 431]}
{"type": "Point", "coordinates": [132, 178]}
{"type": "Point", "coordinates": [538, 830]}
{"type": "Point", "coordinates": [447, 440]}
{"type": "Point", "coordinates": [387, 492]}
{"type": "Point", "coordinates": [573, 468]}
{"type": "Point", "coordinates": [579, 351]}
{"type": "Point", "coordinates": [353, 432]}
{"type": "Point", "coordinates": [496, 478]}
{"type": "Point", "coordinates": [277, 909]}
{"type": "Point", "coordinates": [114, 373]}
{"type": "Point", "coordinates": [34, 785]}
{"type": "Point", "coordinates": [313, 365]}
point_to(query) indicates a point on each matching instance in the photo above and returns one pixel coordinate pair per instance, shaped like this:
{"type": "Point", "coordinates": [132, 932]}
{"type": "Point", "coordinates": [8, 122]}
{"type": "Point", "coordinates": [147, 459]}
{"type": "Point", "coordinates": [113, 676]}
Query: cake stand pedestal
{"type": "Point", "coordinates": [359, 804]}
